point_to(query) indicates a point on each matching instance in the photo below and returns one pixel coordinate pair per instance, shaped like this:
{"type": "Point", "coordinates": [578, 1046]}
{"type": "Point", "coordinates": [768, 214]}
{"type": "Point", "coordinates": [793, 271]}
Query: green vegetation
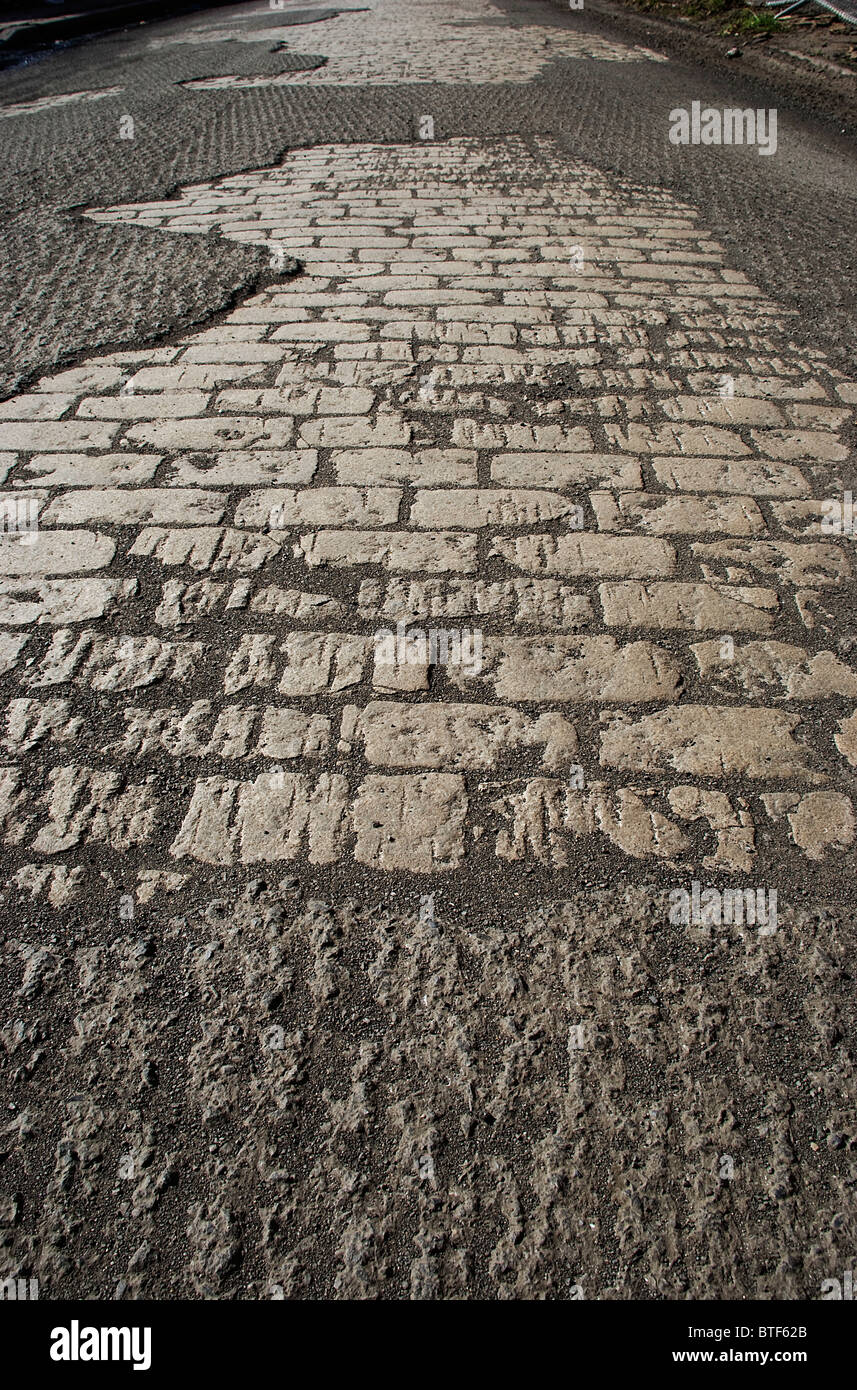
{"type": "Point", "coordinates": [735, 18]}
{"type": "Point", "coordinates": [747, 21]}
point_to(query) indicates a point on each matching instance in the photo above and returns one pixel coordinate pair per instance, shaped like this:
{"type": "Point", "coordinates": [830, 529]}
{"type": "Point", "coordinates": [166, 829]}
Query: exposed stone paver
{"type": "Point", "coordinates": [393, 41]}
{"type": "Point", "coordinates": [25, 108]}
{"type": "Point", "coordinates": [508, 396]}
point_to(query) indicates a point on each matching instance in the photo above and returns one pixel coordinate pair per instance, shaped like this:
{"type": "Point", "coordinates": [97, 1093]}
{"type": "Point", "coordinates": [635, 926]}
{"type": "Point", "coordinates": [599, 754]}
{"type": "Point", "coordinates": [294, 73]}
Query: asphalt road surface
{"type": "Point", "coordinates": [430, 676]}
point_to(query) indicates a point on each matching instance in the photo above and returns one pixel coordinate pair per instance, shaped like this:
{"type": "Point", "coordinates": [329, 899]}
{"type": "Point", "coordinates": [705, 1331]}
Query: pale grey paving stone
{"type": "Point", "coordinates": [580, 670]}
{"type": "Point", "coordinates": [669, 516]}
{"type": "Point", "coordinates": [84, 470]}
{"type": "Point", "coordinates": [557, 470]}
{"type": "Point", "coordinates": [55, 552]}
{"type": "Point", "coordinates": [683, 605]}
{"type": "Point", "coordinates": [59, 435]}
{"type": "Point", "coordinates": [277, 508]}
{"type": "Point", "coordinates": [588, 555]}
{"type": "Point", "coordinates": [227, 432]}
{"type": "Point", "coordinates": [166, 405]}
{"type": "Point", "coordinates": [742, 561]}
{"type": "Point", "coordinates": [710, 741]}
{"type": "Point", "coordinates": [231, 469]}
{"type": "Point", "coordinates": [427, 467]}
{"type": "Point", "coordinates": [113, 663]}
{"type": "Point", "coordinates": [11, 646]}
{"type": "Point", "coordinates": [468, 507]}
{"type": "Point", "coordinates": [269, 819]}
{"type": "Point", "coordinates": [61, 601]}
{"type": "Point", "coordinates": [47, 407]}
{"type": "Point", "coordinates": [544, 604]}
{"type": "Point", "coordinates": [755, 477]}
{"type": "Point", "coordinates": [438, 735]}
{"type": "Point", "coordinates": [430, 551]}
{"type": "Point", "coordinates": [212, 548]}
{"type": "Point", "coordinates": [411, 821]}
{"type": "Point", "coordinates": [758, 669]}
{"type": "Point", "coordinates": [134, 507]}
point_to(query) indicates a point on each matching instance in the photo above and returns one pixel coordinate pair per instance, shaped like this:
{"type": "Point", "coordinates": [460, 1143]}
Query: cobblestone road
{"type": "Point", "coordinates": [492, 405]}
{"type": "Point", "coordinates": [490, 554]}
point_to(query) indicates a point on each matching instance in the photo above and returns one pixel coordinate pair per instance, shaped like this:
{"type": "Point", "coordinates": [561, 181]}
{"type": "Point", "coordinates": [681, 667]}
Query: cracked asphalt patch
{"type": "Point", "coordinates": [430, 705]}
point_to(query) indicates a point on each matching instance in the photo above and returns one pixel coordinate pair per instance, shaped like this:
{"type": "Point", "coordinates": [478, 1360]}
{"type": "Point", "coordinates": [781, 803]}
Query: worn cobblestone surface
{"type": "Point", "coordinates": [357, 964]}
{"type": "Point", "coordinates": [460, 318]}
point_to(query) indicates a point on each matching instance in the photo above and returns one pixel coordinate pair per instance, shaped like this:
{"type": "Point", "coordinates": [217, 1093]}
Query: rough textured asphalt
{"type": "Point", "coordinates": [409, 1017]}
